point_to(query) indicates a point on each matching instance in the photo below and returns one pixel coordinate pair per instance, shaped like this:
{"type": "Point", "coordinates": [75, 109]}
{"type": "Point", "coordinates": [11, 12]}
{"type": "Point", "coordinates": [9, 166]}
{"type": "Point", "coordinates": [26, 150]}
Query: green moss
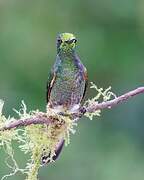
{"type": "Point", "coordinates": [38, 140]}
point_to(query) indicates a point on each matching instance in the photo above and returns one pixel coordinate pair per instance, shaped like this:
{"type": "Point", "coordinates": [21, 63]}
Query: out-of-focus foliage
{"type": "Point", "coordinates": [110, 43]}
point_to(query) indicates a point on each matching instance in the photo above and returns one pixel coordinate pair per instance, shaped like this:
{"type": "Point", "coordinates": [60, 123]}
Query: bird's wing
{"type": "Point", "coordinates": [50, 83]}
{"type": "Point", "coordinates": [85, 76]}
{"type": "Point", "coordinates": [83, 71]}
{"type": "Point", "coordinates": [52, 77]}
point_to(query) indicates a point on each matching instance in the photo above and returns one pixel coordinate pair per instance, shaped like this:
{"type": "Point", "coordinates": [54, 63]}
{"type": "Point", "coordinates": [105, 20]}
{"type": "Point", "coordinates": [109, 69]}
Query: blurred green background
{"type": "Point", "coordinates": [111, 45]}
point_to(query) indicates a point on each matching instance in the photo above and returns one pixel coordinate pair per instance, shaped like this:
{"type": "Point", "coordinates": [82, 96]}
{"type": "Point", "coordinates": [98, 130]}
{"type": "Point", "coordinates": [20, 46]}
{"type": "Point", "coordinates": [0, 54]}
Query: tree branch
{"type": "Point", "coordinates": [39, 119]}
{"type": "Point", "coordinates": [111, 103]}
{"type": "Point", "coordinates": [44, 119]}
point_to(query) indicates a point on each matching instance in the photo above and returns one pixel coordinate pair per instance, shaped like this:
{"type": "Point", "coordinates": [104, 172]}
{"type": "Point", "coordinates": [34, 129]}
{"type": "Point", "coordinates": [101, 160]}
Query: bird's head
{"type": "Point", "coordinates": [66, 42]}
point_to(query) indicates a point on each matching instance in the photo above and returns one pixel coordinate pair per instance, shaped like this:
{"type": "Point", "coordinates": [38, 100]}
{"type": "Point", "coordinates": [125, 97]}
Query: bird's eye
{"type": "Point", "coordinates": [71, 41]}
{"type": "Point", "coordinates": [59, 41]}
{"type": "Point", "coordinates": [74, 40]}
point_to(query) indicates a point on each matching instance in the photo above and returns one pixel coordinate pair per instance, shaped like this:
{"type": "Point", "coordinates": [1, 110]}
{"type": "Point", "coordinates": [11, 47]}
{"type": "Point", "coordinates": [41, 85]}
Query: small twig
{"type": "Point", "coordinates": [111, 103]}
{"type": "Point", "coordinates": [44, 119]}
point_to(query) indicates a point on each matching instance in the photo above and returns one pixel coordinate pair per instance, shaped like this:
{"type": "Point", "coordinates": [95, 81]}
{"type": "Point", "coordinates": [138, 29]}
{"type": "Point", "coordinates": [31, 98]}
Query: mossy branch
{"type": "Point", "coordinates": [43, 118]}
{"type": "Point", "coordinates": [44, 133]}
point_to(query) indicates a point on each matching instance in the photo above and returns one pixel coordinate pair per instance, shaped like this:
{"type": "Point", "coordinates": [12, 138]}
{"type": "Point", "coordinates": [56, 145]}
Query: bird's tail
{"type": "Point", "coordinates": [46, 159]}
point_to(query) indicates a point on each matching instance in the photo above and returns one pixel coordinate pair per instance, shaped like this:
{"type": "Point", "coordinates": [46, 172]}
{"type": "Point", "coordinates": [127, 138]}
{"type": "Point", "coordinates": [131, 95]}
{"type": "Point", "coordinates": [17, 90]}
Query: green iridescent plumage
{"type": "Point", "coordinates": [68, 79]}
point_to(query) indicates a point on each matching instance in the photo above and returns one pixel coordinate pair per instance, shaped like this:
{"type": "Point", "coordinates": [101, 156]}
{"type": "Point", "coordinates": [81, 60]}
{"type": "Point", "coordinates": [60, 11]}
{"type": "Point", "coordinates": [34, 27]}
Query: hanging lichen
{"type": "Point", "coordinates": [41, 139]}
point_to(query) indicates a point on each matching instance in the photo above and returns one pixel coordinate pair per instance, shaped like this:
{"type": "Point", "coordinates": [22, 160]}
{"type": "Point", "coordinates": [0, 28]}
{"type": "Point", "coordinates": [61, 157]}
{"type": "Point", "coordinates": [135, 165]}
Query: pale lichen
{"type": "Point", "coordinates": [6, 138]}
{"type": "Point", "coordinates": [102, 95]}
{"type": "Point", "coordinates": [39, 140]}
{"type": "Point", "coordinates": [36, 140]}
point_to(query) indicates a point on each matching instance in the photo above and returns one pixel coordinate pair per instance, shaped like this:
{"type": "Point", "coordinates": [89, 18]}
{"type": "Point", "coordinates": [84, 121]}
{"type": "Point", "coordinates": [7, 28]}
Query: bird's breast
{"type": "Point", "coordinates": [68, 87]}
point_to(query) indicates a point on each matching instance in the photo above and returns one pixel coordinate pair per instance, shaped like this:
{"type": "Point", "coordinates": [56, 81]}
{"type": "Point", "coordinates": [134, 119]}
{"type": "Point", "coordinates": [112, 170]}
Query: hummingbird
{"type": "Point", "coordinates": [67, 82]}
